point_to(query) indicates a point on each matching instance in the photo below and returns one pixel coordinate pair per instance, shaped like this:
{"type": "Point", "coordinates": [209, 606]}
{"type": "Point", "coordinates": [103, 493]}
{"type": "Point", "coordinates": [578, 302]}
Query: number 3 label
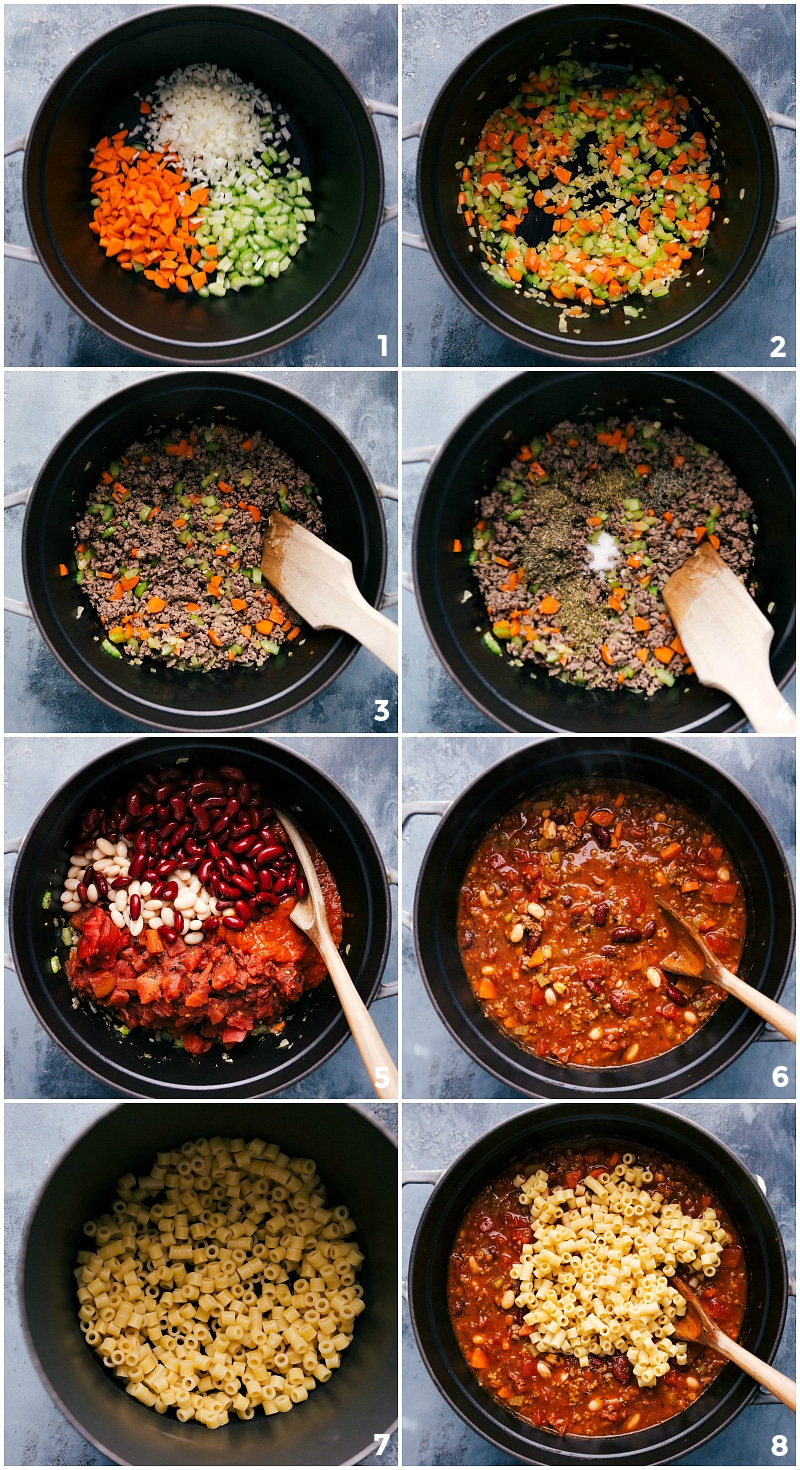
{"type": "Point", "coordinates": [381, 711]}
{"type": "Point", "coordinates": [779, 1445]}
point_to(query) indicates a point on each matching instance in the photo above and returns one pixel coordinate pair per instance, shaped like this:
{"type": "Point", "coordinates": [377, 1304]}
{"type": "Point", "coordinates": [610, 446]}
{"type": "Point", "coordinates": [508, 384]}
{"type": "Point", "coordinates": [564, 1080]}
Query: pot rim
{"type": "Point", "coordinates": [641, 1109]}
{"type": "Point", "coordinates": [112, 1106]}
{"type": "Point", "coordinates": [246, 349]}
{"type": "Point", "coordinates": [189, 377]}
{"type": "Point", "coordinates": [428, 486]}
{"type": "Point", "coordinates": [677, 1087]}
{"type": "Point", "coordinates": [530, 338]}
{"type": "Point", "coordinates": [211, 1091]}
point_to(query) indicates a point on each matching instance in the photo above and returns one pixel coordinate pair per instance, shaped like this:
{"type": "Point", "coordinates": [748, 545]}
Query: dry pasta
{"type": "Point", "coordinates": [595, 1279]}
{"type": "Point", "coordinates": [221, 1282]}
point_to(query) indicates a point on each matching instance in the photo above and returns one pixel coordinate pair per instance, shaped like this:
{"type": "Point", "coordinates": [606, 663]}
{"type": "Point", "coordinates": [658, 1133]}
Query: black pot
{"type": "Point", "coordinates": [754, 443]}
{"type": "Point", "coordinates": [261, 1066]}
{"type": "Point", "coordinates": [769, 896]}
{"type": "Point", "coordinates": [545, 1128]}
{"type": "Point", "coordinates": [337, 1424]}
{"type": "Point", "coordinates": [747, 162]}
{"type": "Point", "coordinates": [332, 133]}
{"type": "Point", "coordinates": [154, 694]}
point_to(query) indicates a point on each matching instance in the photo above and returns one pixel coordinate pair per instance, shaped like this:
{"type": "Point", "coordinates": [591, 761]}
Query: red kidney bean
{"type": "Point", "coordinates": [601, 836]}
{"type": "Point", "coordinates": [621, 1368]}
{"type": "Point", "coordinates": [162, 811]}
{"type": "Point", "coordinates": [158, 890]}
{"type": "Point", "coordinates": [244, 793]}
{"type": "Point", "coordinates": [226, 864]}
{"type": "Point", "coordinates": [82, 892]}
{"type": "Point", "coordinates": [200, 816]}
{"type": "Point", "coordinates": [264, 881]}
{"type": "Point", "coordinates": [181, 835]}
{"type": "Point", "coordinates": [168, 934]}
{"type": "Point", "coordinates": [133, 803]}
{"type": "Point", "coordinates": [232, 921]}
{"type": "Point", "coordinates": [125, 823]}
{"type": "Point", "coordinates": [243, 883]}
{"type": "Point", "coordinates": [247, 870]}
{"type": "Point", "coordinates": [201, 788]}
{"type": "Point", "coordinates": [232, 773]}
{"type": "Point", "coordinates": [178, 923]}
{"type": "Point", "coordinates": [601, 913]}
{"type": "Point", "coordinates": [135, 905]}
{"type": "Point", "coordinates": [675, 995]}
{"type": "Point", "coordinates": [239, 828]}
{"type": "Point", "coordinates": [301, 887]}
{"type": "Point", "coordinates": [242, 845]}
{"type": "Point", "coordinates": [205, 869]}
{"type": "Point", "coordinates": [609, 951]}
{"type": "Point", "coordinates": [148, 811]}
{"type": "Point", "coordinates": [211, 924]}
{"type": "Point", "coordinates": [164, 791]}
{"type": "Point", "coordinates": [153, 781]}
{"type": "Point", "coordinates": [291, 876]}
{"type": "Point", "coordinates": [150, 875]}
{"type": "Point", "coordinates": [626, 934]}
{"type": "Point", "coordinates": [88, 876]}
{"type": "Point", "coordinates": [221, 825]}
{"type": "Point", "coordinates": [170, 892]}
{"type": "Point", "coordinates": [649, 929]}
{"type": "Point", "coordinates": [272, 851]}
{"type": "Point", "coordinates": [231, 808]}
{"type": "Point", "coordinates": [619, 1003]}
{"type": "Point", "coordinates": [214, 804]}
{"type": "Point", "coordinates": [166, 866]}
{"type": "Point", "coordinates": [593, 987]}
{"type": "Point", "coordinates": [225, 890]}
{"type": "Point", "coordinates": [279, 886]}
{"type": "Point", "coordinates": [215, 849]}
{"type": "Point", "coordinates": [152, 844]}
{"type": "Point", "coordinates": [101, 885]}
{"type": "Point", "coordinates": [267, 812]}
{"type": "Point", "coordinates": [140, 841]}
{"type": "Point", "coordinates": [121, 883]}
{"type": "Point", "coordinates": [192, 864]}
{"type": "Point", "coordinates": [164, 849]}
{"type": "Point", "coordinates": [242, 908]}
{"type": "Point", "coordinates": [178, 807]}
{"type": "Point", "coordinates": [168, 830]}
{"type": "Point", "coordinates": [137, 865]}
{"type": "Point", "coordinates": [194, 849]}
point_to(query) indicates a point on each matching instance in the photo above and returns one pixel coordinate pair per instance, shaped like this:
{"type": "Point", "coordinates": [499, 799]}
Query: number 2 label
{"type": "Point", "coordinates": [778, 344]}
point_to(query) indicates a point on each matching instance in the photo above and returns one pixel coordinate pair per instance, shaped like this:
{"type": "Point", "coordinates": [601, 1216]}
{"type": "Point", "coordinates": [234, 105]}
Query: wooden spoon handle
{"type": "Point", "coordinates": [769, 1010]}
{"type": "Point", "coordinates": [377, 633]}
{"type": "Point", "coordinates": [381, 1069]}
{"type": "Point", "coordinates": [759, 696]}
{"type": "Point", "coordinates": [763, 1373]}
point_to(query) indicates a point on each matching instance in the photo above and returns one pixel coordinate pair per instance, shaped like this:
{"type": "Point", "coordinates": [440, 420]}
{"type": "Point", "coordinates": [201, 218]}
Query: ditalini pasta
{"type": "Point", "coordinates": [595, 1279]}
{"type": "Point", "coordinates": [221, 1282]}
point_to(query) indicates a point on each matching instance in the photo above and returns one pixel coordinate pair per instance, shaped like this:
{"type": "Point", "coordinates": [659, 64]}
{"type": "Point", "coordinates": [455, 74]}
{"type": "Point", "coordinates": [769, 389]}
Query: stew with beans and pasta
{"type": "Point", "coordinates": [559, 1287]}
{"type": "Point", "coordinates": [560, 932]}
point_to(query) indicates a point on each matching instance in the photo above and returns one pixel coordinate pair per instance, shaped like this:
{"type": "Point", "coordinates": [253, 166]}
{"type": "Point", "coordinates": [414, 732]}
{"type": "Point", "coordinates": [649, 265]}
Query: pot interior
{"type": "Point", "coordinates": [535, 1132]}
{"type": "Point", "coordinates": [331, 133]}
{"type": "Point", "coordinates": [620, 38]}
{"type": "Point", "coordinates": [761, 865]}
{"type": "Point", "coordinates": [754, 444]}
{"type": "Point", "coordinates": [314, 1028]}
{"type": "Point", "coordinates": [153, 693]}
{"type": "Point", "coordinates": [337, 1422]}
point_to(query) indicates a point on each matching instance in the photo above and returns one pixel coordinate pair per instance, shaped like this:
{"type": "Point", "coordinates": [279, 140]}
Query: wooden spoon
{"type": "Point", "coordinates": [319, 583]}
{"type": "Point", "coordinates": [727, 638]}
{"type": "Point", "coordinates": [705, 966]}
{"type": "Point", "coordinates": [698, 1327]}
{"type": "Point", "coordinates": [309, 915]}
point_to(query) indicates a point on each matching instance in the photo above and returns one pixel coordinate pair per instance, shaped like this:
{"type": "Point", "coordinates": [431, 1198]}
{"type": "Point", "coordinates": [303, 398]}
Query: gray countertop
{"type": "Point", "coordinates": [433, 404]}
{"type": "Point", "coordinates": [35, 768]}
{"type": "Point", "coordinates": [763, 1137]}
{"type": "Point", "coordinates": [434, 1065]}
{"type": "Point", "coordinates": [40, 407]}
{"type": "Point", "coordinates": [438, 330]}
{"type": "Point", "coordinates": [36, 1135]}
{"type": "Point", "coordinates": [43, 331]}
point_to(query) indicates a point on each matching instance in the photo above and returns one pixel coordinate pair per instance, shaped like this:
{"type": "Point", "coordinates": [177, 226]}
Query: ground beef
{"type": "Point", "coordinates": [169, 547]}
{"type": "Point", "coordinates": [657, 492]}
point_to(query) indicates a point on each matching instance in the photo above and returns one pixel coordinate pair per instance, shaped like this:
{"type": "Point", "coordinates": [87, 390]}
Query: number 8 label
{"type": "Point", "coordinates": [779, 1445]}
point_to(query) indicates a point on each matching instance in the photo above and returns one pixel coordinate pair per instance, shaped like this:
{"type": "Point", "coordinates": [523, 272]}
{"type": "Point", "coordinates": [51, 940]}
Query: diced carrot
{"type": "Point", "coordinates": [155, 604]}
{"type": "Point", "coordinates": [485, 990]}
{"type": "Point", "coordinates": [265, 625]}
{"type": "Point", "coordinates": [549, 605]}
{"type": "Point", "coordinates": [663, 654]}
{"type": "Point", "coordinates": [457, 545]}
{"type": "Point", "coordinates": [641, 624]}
{"type": "Point", "coordinates": [295, 633]}
{"type": "Point", "coordinates": [238, 604]}
{"type": "Point", "coordinates": [62, 570]}
{"type": "Point", "coordinates": [605, 654]}
{"type": "Point", "coordinates": [145, 108]}
{"type": "Point", "coordinates": [215, 638]}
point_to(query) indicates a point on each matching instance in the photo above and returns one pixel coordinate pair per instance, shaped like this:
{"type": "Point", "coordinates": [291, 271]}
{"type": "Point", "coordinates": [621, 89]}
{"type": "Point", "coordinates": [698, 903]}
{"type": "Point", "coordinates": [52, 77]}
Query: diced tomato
{"type": "Point", "coordinates": [720, 944]}
{"type": "Point", "coordinates": [722, 892]}
{"type": "Point", "coordinates": [195, 1045]}
{"type": "Point", "coordinates": [528, 1367]}
{"type": "Point", "coordinates": [102, 984]}
{"type": "Point", "coordinates": [731, 1255]}
{"type": "Point", "coordinates": [591, 967]}
{"type": "Point", "coordinates": [537, 994]}
{"type": "Point", "coordinates": [148, 986]}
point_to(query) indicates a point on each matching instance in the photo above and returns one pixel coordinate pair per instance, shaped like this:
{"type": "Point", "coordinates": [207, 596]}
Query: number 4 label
{"type": "Point", "coordinates": [383, 1440]}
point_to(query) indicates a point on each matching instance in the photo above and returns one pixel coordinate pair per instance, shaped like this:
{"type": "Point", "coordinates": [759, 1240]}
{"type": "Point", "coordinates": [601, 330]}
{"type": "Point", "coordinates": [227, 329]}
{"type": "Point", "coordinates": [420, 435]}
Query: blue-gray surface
{"type": "Point", "coordinates": [36, 1135]}
{"type": "Point", "coordinates": [40, 407]}
{"type": "Point", "coordinates": [434, 1065]}
{"type": "Point", "coordinates": [763, 1137]}
{"type": "Point", "coordinates": [43, 331]}
{"type": "Point", "coordinates": [438, 330]}
{"type": "Point", "coordinates": [35, 768]}
{"type": "Point", "coordinates": [433, 404]}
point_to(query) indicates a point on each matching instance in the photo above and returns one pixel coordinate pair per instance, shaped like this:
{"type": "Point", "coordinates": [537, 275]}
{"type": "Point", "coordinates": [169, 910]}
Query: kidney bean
{"type": "Point", "coordinates": [194, 849]}
{"type": "Point", "coordinates": [226, 863]}
{"type": "Point", "coordinates": [170, 891]}
{"type": "Point", "coordinates": [675, 995]}
{"type": "Point", "coordinates": [153, 781]}
{"type": "Point", "coordinates": [211, 924]}
{"type": "Point", "coordinates": [140, 841]}
{"type": "Point", "coordinates": [201, 788]}
{"type": "Point", "coordinates": [226, 890]}
{"type": "Point", "coordinates": [166, 866]}
{"type": "Point", "coordinates": [601, 836]}
{"type": "Point", "coordinates": [135, 905]}
{"type": "Point", "coordinates": [152, 844]}
{"type": "Point", "coordinates": [192, 864]}
{"type": "Point", "coordinates": [133, 803]}
{"type": "Point", "coordinates": [626, 934]}
{"type": "Point", "coordinates": [566, 901]}
{"type": "Point", "coordinates": [291, 876]}
{"type": "Point", "coordinates": [164, 849]}
{"type": "Point", "coordinates": [178, 808]}
{"type": "Point", "coordinates": [596, 1363]}
{"type": "Point", "coordinates": [201, 817]}
{"type": "Point", "coordinates": [178, 923]}
{"type": "Point", "coordinates": [248, 871]}
{"type": "Point", "coordinates": [88, 876]}
{"type": "Point", "coordinates": [244, 793]}
{"type": "Point", "coordinates": [150, 875]}
{"type": "Point", "coordinates": [214, 804]}
{"type": "Point", "coordinates": [621, 1368]}
{"type": "Point", "coordinates": [601, 913]}
{"type": "Point", "coordinates": [272, 851]}
{"type": "Point", "coordinates": [264, 881]}
{"type": "Point", "coordinates": [301, 887]}
{"type": "Point", "coordinates": [221, 825]}
{"type": "Point", "coordinates": [148, 811]}
{"type": "Point", "coordinates": [82, 892]}
{"type": "Point", "coordinates": [232, 921]}
{"type": "Point", "coordinates": [619, 1003]}
{"type": "Point", "coordinates": [158, 890]}
{"type": "Point", "coordinates": [212, 884]}
{"type": "Point", "coordinates": [232, 773]}
{"type": "Point", "coordinates": [137, 866]}
{"type": "Point", "coordinates": [279, 886]}
{"type": "Point", "coordinates": [164, 791]}
{"type": "Point", "coordinates": [125, 823]}
{"type": "Point", "coordinates": [244, 884]}
{"type": "Point", "coordinates": [120, 883]}
{"type": "Point", "coordinates": [242, 845]}
{"type": "Point", "coordinates": [242, 908]}
{"type": "Point", "coordinates": [593, 987]}
{"type": "Point", "coordinates": [168, 830]}
{"type": "Point", "coordinates": [267, 812]}
{"type": "Point", "coordinates": [215, 849]}
{"type": "Point", "coordinates": [231, 808]}
{"type": "Point", "coordinates": [162, 811]}
{"type": "Point", "coordinates": [205, 869]}
{"type": "Point", "coordinates": [239, 829]}
{"type": "Point", "coordinates": [101, 885]}
{"type": "Point", "coordinates": [609, 951]}
{"type": "Point", "coordinates": [168, 934]}
{"type": "Point", "coordinates": [649, 930]}
{"type": "Point", "coordinates": [181, 835]}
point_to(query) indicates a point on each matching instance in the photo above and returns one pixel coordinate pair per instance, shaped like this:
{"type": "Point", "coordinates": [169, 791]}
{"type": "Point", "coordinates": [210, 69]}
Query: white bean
{"type": "Point", "coordinates": [193, 937]}
{"type": "Point", "coordinates": [134, 887]}
{"type": "Point", "coordinates": [78, 859]}
{"type": "Point", "coordinates": [113, 870]}
{"type": "Point", "coordinates": [195, 924]}
{"type": "Point", "coordinates": [153, 906]}
{"type": "Point", "coordinates": [71, 906]}
{"type": "Point", "coordinates": [145, 889]}
{"type": "Point", "coordinates": [167, 917]}
{"type": "Point", "coordinates": [117, 918]}
{"type": "Point", "coordinates": [201, 909]}
{"type": "Point", "coordinates": [74, 872]}
{"type": "Point", "coordinates": [66, 896]}
{"type": "Point", "coordinates": [194, 883]}
{"type": "Point", "coordinates": [154, 923]}
{"type": "Point", "coordinates": [183, 875]}
{"type": "Point", "coordinates": [185, 900]}
{"type": "Point", "coordinates": [96, 854]}
{"type": "Point", "coordinates": [70, 885]}
{"type": "Point", "coordinates": [121, 849]}
{"type": "Point", "coordinates": [106, 847]}
{"type": "Point", "coordinates": [92, 894]}
{"type": "Point", "coordinates": [136, 926]}
{"type": "Point", "coordinates": [120, 901]}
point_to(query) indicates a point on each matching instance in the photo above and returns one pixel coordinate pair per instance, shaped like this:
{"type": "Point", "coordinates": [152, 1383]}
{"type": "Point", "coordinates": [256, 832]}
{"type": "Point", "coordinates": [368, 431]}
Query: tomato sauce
{"type": "Point", "coordinates": [559, 929]}
{"type": "Point", "coordinates": [232, 984]}
{"type": "Point", "coordinates": [553, 1391]}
